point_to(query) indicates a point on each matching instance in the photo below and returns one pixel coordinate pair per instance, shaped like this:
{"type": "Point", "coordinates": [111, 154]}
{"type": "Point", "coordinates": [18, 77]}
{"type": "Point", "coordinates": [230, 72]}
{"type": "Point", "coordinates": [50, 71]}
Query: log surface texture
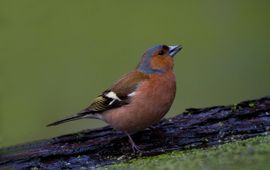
{"type": "Point", "coordinates": [195, 128]}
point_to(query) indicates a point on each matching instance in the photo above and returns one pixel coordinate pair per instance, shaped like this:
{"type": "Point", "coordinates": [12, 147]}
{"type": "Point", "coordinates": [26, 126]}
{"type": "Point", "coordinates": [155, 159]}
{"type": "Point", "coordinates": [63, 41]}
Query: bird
{"type": "Point", "coordinates": [139, 98]}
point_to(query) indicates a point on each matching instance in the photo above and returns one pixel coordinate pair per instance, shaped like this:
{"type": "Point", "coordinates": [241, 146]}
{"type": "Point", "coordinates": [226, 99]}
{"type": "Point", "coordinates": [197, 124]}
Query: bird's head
{"type": "Point", "coordinates": [158, 59]}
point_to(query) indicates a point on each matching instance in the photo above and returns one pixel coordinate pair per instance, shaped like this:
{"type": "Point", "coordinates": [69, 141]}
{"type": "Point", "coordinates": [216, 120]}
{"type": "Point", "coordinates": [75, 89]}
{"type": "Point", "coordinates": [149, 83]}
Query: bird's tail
{"type": "Point", "coordinates": [77, 116]}
{"type": "Point", "coordinates": [68, 119]}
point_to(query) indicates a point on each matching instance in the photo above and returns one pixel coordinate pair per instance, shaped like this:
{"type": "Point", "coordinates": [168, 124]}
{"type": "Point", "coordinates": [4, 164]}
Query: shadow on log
{"type": "Point", "coordinates": [194, 128]}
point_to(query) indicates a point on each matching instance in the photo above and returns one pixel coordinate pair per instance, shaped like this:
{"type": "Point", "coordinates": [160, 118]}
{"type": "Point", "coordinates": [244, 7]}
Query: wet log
{"type": "Point", "coordinates": [195, 128]}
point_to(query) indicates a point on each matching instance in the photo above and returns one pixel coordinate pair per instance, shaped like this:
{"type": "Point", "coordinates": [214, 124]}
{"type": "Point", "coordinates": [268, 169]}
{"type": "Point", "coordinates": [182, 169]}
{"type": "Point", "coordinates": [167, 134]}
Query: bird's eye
{"type": "Point", "coordinates": [161, 52]}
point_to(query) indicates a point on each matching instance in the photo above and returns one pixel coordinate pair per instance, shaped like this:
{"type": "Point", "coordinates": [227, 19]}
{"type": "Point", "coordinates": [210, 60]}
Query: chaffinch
{"type": "Point", "coordinates": [138, 99]}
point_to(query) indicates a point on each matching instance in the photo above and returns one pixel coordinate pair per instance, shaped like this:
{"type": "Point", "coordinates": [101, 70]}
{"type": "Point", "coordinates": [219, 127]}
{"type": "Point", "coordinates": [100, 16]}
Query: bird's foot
{"type": "Point", "coordinates": [135, 147]}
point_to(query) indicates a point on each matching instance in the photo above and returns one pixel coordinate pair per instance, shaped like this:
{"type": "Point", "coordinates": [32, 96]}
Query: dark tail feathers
{"type": "Point", "coordinates": [68, 119]}
{"type": "Point", "coordinates": [83, 114]}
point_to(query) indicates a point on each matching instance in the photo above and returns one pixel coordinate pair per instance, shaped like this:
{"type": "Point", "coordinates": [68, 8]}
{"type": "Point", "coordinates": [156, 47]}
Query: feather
{"type": "Point", "coordinates": [72, 118]}
{"type": "Point", "coordinates": [118, 95]}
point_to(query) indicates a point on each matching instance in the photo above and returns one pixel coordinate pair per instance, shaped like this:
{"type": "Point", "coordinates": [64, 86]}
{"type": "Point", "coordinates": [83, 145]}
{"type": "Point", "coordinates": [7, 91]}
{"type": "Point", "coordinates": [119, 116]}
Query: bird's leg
{"type": "Point", "coordinates": [135, 148]}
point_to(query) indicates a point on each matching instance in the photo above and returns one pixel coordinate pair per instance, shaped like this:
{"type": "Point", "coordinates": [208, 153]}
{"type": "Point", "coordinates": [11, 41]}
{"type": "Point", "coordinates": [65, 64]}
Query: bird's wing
{"type": "Point", "coordinates": [119, 94]}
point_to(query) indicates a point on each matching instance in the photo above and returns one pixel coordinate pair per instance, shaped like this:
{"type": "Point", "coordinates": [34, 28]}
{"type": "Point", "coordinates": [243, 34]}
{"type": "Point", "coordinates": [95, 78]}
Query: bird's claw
{"type": "Point", "coordinates": [135, 148]}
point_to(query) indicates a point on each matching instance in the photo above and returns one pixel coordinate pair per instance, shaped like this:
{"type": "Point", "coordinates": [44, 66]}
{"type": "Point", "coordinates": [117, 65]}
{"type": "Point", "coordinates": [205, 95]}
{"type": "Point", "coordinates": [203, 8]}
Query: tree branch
{"type": "Point", "coordinates": [193, 129]}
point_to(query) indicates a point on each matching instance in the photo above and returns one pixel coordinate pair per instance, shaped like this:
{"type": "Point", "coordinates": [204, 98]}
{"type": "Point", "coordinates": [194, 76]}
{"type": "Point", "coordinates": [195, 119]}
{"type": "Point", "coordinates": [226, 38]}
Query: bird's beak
{"type": "Point", "coordinates": [174, 49]}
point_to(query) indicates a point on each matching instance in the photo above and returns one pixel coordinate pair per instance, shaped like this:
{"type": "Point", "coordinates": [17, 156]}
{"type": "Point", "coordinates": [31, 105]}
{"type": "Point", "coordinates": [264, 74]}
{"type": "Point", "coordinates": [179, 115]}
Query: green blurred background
{"type": "Point", "coordinates": [56, 56]}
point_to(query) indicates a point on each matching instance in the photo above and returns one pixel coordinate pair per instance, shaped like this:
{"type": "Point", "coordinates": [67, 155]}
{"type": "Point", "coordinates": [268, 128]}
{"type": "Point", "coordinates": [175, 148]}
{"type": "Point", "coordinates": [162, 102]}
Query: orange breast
{"type": "Point", "coordinates": [151, 102]}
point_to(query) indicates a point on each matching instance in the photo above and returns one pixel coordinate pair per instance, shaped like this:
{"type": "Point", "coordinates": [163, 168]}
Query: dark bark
{"type": "Point", "coordinates": [193, 129]}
